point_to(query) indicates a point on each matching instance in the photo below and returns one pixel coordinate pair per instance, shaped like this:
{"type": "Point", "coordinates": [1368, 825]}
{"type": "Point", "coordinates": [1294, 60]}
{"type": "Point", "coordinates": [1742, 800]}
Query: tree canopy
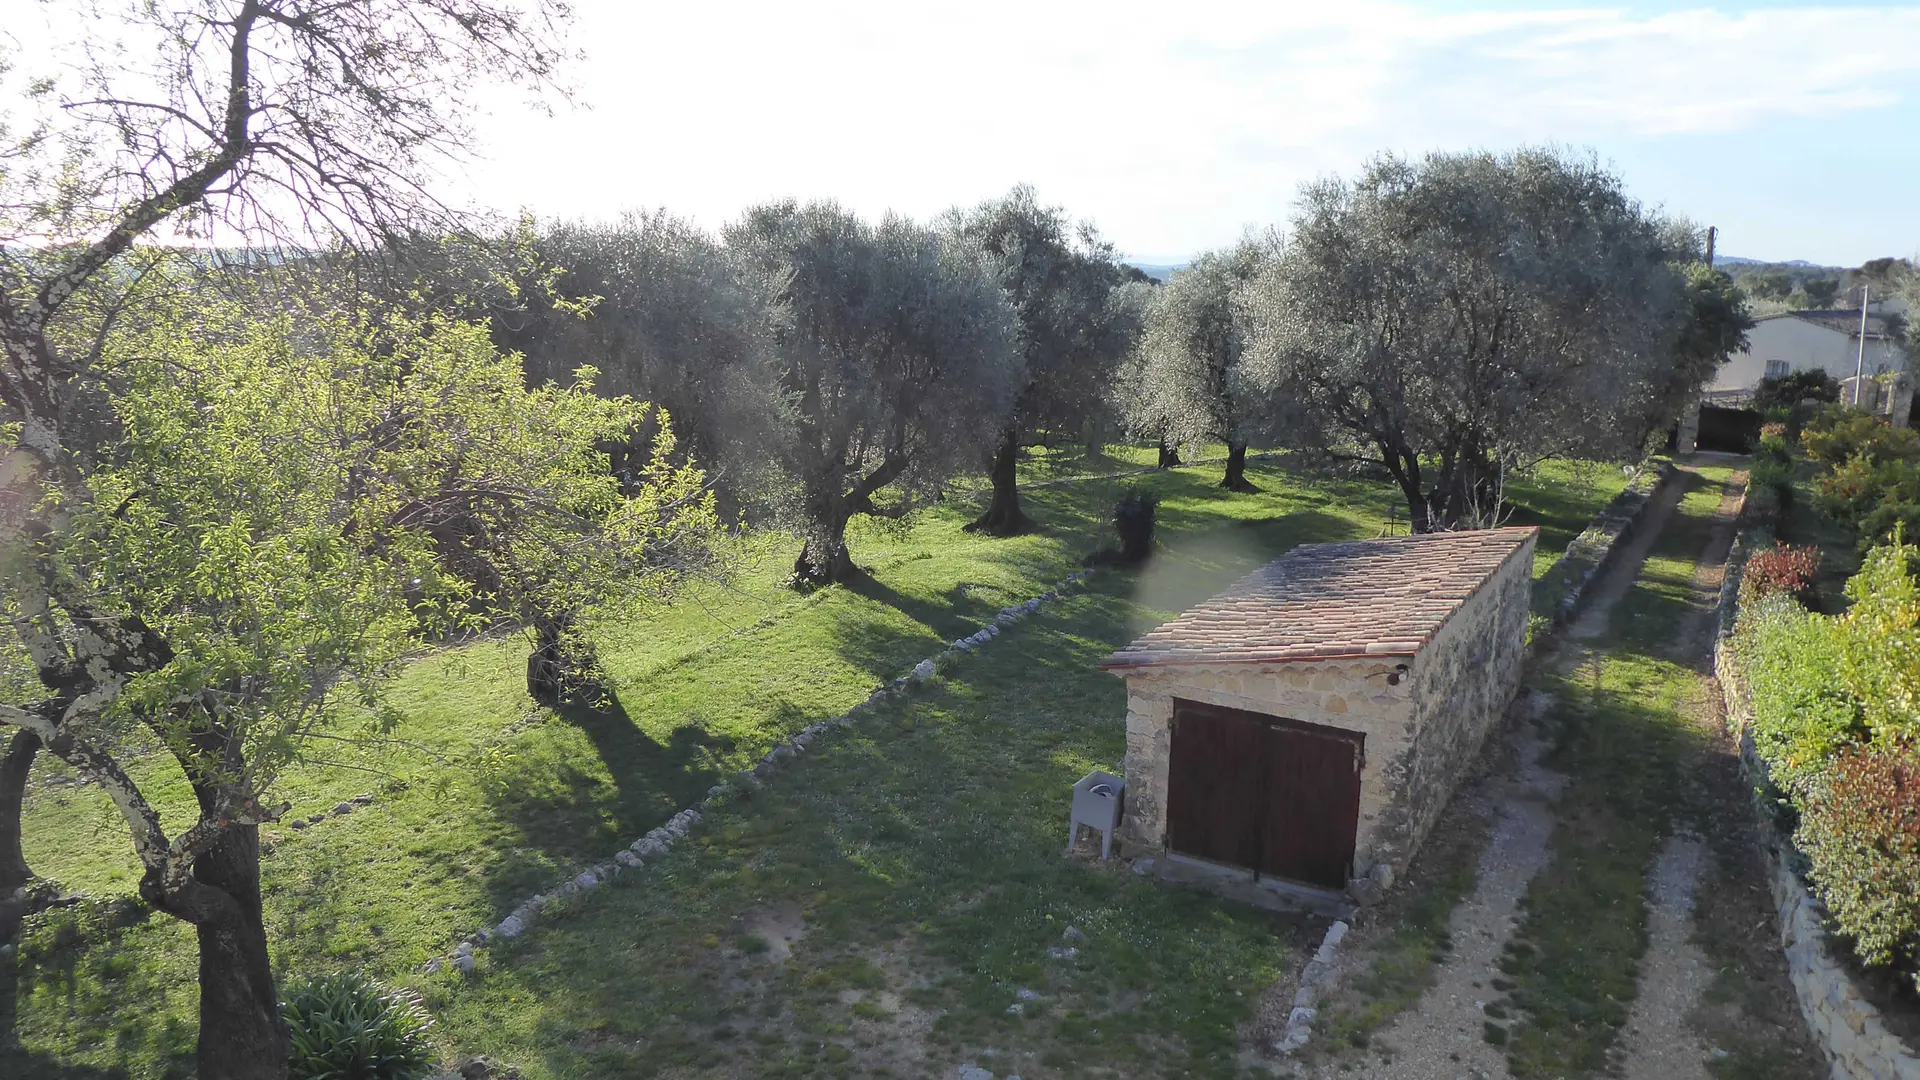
{"type": "Point", "coordinates": [268, 124]}
{"type": "Point", "coordinates": [1077, 317]}
{"type": "Point", "coordinates": [899, 353]}
{"type": "Point", "coordinates": [1183, 384]}
{"type": "Point", "coordinates": [665, 312]}
{"type": "Point", "coordinates": [1458, 316]}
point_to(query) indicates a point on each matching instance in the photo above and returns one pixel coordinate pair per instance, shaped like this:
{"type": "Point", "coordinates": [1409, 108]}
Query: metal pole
{"type": "Point", "coordinates": [1860, 357]}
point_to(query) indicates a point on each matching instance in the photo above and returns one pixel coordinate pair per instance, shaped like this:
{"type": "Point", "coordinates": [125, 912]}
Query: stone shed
{"type": "Point", "coordinates": [1310, 722]}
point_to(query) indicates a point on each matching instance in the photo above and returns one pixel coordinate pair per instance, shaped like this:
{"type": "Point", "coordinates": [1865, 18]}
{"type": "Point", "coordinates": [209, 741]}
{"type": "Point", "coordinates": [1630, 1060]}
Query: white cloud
{"type": "Point", "coordinates": [1171, 122]}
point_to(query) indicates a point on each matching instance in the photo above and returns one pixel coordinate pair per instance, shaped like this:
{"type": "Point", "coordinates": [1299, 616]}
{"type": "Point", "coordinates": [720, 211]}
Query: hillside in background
{"type": "Point", "coordinates": [1159, 272]}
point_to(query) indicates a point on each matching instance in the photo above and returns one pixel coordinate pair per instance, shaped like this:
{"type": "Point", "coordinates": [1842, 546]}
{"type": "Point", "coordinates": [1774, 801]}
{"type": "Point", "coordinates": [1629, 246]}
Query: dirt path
{"type": "Point", "coordinates": [1620, 575]}
{"type": "Point", "coordinates": [1695, 889]}
{"type": "Point", "coordinates": [1660, 1042]}
{"type": "Point", "coordinates": [1444, 1035]}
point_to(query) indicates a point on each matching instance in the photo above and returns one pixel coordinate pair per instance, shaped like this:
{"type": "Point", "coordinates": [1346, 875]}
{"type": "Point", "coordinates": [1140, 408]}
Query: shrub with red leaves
{"type": "Point", "coordinates": [1860, 831]}
{"type": "Point", "coordinates": [1773, 431]}
{"type": "Point", "coordinates": [1783, 569]}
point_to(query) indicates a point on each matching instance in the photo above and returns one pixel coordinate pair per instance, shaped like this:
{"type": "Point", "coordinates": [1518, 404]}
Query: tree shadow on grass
{"type": "Point", "coordinates": [961, 613]}
{"type": "Point", "coordinates": [567, 811]}
{"type": "Point", "coordinates": [933, 833]}
{"type": "Point", "coordinates": [75, 961]}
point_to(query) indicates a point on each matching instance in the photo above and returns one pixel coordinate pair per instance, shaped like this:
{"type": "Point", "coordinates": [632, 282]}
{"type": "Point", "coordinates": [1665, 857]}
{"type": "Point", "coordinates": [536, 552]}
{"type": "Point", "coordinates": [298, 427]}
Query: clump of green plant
{"type": "Point", "coordinates": [345, 1026]}
{"type": "Point", "coordinates": [1835, 718]}
{"type": "Point", "coordinates": [1801, 714]}
{"type": "Point", "coordinates": [1839, 434]}
{"type": "Point", "coordinates": [1872, 497]}
{"type": "Point", "coordinates": [1784, 393]}
{"type": "Point", "coordinates": [1134, 518]}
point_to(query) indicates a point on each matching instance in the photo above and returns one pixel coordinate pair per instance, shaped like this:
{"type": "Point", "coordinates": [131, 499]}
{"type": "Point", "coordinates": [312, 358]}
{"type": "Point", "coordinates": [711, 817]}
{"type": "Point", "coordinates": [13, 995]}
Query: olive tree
{"type": "Point", "coordinates": [1182, 386]}
{"type": "Point", "coordinates": [899, 355]}
{"type": "Point", "coordinates": [1463, 315]}
{"type": "Point", "coordinates": [249, 121]}
{"type": "Point", "coordinates": [1077, 319]}
{"type": "Point", "coordinates": [660, 308]}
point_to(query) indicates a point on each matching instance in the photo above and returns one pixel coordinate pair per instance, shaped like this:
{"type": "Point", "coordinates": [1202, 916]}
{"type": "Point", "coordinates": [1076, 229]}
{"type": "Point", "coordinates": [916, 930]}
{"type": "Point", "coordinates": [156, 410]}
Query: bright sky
{"type": "Point", "coordinates": [1174, 124]}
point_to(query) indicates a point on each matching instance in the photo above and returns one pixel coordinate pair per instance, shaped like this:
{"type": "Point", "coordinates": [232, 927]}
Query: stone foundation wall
{"type": "Point", "coordinates": [1353, 695]}
{"type": "Point", "coordinates": [1464, 680]}
{"type": "Point", "coordinates": [1422, 732]}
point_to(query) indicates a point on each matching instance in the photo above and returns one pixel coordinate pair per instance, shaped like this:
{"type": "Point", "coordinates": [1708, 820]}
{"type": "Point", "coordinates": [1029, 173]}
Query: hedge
{"type": "Point", "coordinates": [1836, 718]}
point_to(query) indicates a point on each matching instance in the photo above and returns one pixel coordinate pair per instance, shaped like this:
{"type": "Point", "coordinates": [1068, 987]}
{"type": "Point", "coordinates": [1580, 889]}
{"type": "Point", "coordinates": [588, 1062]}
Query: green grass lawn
{"type": "Point", "coordinates": [924, 907]}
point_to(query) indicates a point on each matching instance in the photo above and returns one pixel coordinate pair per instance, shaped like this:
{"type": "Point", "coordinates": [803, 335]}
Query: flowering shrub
{"type": "Point", "coordinates": [1860, 831]}
{"type": "Point", "coordinates": [1774, 431]}
{"type": "Point", "coordinates": [1790, 570]}
{"type": "Point", "coordinates": [1836, 717]}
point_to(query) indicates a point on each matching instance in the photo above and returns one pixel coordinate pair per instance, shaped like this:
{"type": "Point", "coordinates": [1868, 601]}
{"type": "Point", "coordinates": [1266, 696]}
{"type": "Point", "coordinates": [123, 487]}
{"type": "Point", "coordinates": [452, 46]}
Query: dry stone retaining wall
{"type": "Point", "coordinates": [1580, 565]}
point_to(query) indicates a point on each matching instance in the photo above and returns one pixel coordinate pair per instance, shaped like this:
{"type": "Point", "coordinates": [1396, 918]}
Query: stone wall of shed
{"type": "Point", "coordinates": [1354, 695]}
{"type": "Point", "coordinates": [1463, 682]}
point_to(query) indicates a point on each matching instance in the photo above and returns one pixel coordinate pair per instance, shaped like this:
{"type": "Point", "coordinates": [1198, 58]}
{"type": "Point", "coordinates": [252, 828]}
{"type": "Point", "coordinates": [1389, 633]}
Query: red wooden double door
{"type": "Point", "coordinates": [1277, 796]}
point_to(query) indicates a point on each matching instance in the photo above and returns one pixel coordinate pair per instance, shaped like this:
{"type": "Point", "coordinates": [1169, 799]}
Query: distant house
{"type": "Point", "coordinates": [1828, 340]}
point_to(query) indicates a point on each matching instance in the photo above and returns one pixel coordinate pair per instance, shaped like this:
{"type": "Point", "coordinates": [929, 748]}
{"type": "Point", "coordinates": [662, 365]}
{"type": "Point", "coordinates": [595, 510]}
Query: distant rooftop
{"type": "Point", "coordinates": [1845, 320]}
{"type": "Point", "coordinates": [1353, 600]}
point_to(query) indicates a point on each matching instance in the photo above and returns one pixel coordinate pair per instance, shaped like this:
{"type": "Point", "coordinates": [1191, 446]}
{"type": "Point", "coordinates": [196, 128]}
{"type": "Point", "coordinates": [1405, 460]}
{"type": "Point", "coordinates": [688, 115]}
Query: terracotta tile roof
{"type": "Point", "coordinates": [1333, 601]}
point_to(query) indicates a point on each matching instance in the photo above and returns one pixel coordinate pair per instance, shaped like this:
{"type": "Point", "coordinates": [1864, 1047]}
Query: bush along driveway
{"type": "Point", "coordinates": [1596, 904]}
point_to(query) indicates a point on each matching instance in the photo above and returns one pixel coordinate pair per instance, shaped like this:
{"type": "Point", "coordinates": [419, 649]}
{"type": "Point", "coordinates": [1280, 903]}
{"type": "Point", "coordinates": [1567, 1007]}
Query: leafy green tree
{"type": "Point", "coordinates": [1789, 390]}
{"type": "Point", "coordinates": [1183, 385]}
{"type": "Point", "coordinates": [900, 354]}
{"type": "Point", "coordinates": [1768, 284]}
{"type": "Point", "coordinates": [291, 509]}
{"type": "Point", "coordinates": [1468, 314]}
{"type": "Point", "coordinates": [1077, 320]}
{"type": "Point", "coordinates": [1821, 291]}
{"type": "Point", "coordinates": [270, 122]}
{"type": "Point", "coordinates": [664, 312]}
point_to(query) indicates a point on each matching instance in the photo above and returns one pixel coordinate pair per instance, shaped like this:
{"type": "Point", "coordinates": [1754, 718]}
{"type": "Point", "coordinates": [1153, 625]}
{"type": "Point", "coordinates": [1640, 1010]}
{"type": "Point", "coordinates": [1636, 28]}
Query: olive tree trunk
{"type": "Point", "coordinates": [15, 874]}
{"type": "Point", "coordinates": [1236, 477]}
{"type": "Point", "coordinates": [242, 1036]}
{"type": "Point", "coordinates": [1004, 516]}
{"type": "Point", "coordinates": [824, 559]}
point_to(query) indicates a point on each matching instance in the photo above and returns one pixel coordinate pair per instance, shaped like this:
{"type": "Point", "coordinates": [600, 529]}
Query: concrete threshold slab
{"type": "Point", "coordinates": [1237, 883]}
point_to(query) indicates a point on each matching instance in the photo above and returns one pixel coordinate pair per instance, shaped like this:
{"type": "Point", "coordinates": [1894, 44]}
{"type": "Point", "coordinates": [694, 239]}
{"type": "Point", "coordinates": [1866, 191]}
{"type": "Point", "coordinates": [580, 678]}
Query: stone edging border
{"type": "Point", "coordinates": [661, 840]}
{"type": "Point", "coordinates": [1843, 1023]}
{"type": "Point", "coordinates": [1590, 551]}
{"type": "Point", "coordinates": [1306, 1000]}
